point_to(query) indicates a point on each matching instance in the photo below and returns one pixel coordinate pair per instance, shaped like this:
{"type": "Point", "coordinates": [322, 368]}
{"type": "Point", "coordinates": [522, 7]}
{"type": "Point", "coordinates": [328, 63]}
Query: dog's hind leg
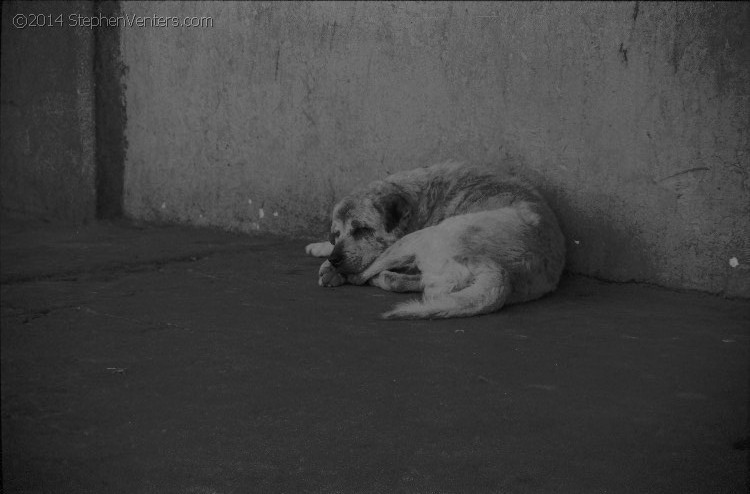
{"type": "Point", "coordinates": [398, 256]}
{"type": "Point", "coordinates": [397, 282]}
{"type": "Point", "coordinates": [319, 249]}
{"type": "Point", "coordinates": [487, 292]}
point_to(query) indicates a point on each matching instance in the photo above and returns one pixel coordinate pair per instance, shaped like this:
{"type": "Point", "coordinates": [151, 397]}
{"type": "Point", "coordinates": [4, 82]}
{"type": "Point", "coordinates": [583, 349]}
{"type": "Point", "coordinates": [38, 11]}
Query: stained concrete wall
{"type": "Point", "coordinates": [47, 164]}
{"type": "Point", "coordinates": [633, 118]}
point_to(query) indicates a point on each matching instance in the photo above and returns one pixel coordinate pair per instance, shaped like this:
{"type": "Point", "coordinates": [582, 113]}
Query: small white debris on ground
{"type": "Point", "coordinates": [734, 262]}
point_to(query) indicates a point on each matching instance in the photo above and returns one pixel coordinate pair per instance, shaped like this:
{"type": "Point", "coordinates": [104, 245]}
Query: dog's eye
{"type": "Point", "coordinates": [361, 231]}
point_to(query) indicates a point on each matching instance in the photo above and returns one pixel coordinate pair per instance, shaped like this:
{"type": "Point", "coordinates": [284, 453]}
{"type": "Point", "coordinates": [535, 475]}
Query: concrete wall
{"type": "Point", "coordinates": [47, 164]}
{"type": "Point", "coordinates": [633, 117]}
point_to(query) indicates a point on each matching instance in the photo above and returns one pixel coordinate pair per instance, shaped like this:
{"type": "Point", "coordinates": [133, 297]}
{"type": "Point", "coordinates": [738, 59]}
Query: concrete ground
{"type": "Point", "coordinates": [138, 359]}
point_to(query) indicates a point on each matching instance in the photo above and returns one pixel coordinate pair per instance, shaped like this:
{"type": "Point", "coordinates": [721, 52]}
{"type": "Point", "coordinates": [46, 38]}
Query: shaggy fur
{"type": "Point", "coordinates": [468, 237]}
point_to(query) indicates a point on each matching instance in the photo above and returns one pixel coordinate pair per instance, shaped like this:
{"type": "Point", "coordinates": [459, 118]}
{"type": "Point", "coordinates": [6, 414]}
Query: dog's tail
{"type": "Point", "coordinates": [487, 293]}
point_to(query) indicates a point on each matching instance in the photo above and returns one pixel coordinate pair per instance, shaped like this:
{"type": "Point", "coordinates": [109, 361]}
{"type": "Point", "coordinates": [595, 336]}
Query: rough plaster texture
{"type": "Point", "coordinates": [632, 117]}
{"type": "Point", "coordinates": [48, 143]}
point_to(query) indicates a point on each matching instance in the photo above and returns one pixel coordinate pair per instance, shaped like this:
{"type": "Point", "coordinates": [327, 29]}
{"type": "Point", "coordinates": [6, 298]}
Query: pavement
{"type": "Point", "coordinates": [166, 359]}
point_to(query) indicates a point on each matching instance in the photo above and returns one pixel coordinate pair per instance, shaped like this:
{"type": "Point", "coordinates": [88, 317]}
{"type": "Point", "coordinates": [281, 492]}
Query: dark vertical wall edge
{"type": "Point", "coordinates": [111, 143]}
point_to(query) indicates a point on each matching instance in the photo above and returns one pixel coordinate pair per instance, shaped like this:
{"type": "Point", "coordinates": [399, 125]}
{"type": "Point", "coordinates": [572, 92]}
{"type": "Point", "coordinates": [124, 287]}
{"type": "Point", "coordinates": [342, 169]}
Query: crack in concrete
{"type": "Point", "coordinates": [28, 315]}
{"type": "Point", "coordinates": [106, 269]}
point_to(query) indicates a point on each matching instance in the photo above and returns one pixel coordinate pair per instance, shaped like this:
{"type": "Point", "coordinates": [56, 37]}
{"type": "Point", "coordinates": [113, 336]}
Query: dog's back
{"type": "Point", "coordinates": [450, 189]}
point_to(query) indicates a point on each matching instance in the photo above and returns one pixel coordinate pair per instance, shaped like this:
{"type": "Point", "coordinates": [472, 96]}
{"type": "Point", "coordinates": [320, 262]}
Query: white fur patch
{"type": "Point", "coordinates": [319, 249]}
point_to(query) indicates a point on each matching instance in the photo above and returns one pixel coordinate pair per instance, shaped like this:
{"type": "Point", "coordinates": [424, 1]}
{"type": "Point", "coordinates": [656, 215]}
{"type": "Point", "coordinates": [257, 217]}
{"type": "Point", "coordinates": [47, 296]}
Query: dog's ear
{"type": "Point", "coordinates": [395, 210]}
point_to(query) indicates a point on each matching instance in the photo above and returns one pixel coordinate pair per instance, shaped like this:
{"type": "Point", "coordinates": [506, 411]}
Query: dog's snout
{"type": "Point", "coordinates": [335, 258]}
{"type": "Point", "coordinates": [337, 255]}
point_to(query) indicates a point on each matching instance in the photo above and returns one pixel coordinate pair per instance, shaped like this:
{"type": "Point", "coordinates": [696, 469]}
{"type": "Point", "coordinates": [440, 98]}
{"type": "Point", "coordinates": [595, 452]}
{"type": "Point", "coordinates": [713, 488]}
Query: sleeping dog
{"type": "Point", "coordinates": [469, 237]}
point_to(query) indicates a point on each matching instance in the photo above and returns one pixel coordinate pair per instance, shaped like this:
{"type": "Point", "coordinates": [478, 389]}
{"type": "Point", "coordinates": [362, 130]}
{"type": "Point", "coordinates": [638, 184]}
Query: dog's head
{"type": "Point", "coordinates": [364, 226]}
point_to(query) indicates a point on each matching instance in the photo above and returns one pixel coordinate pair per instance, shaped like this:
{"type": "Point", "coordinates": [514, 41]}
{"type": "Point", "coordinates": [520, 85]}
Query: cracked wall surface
{"type": "Point", "coordinates": [632, 117]}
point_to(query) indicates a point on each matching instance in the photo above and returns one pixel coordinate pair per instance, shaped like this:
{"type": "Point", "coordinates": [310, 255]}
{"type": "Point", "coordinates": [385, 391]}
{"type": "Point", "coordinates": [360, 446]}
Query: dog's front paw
{"type": "Point", "coordinates": [356, 279]}
{"type": "Point", "coordinates": [329, 277]}
{"type": "Point", "coordinates": [319, 249]}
